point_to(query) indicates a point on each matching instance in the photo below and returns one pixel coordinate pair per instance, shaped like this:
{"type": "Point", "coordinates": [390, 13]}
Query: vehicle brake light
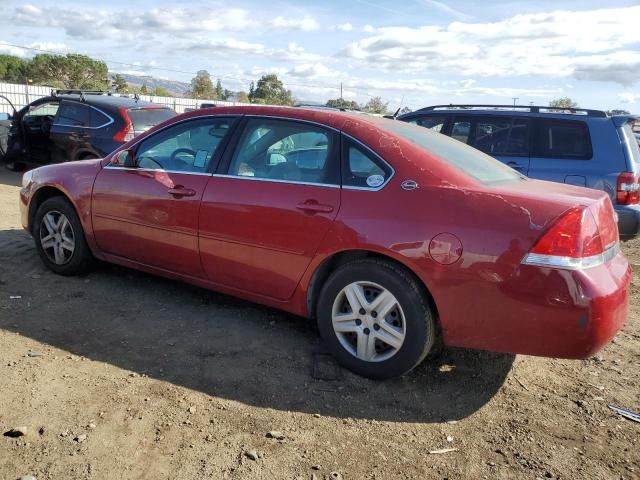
{"type": "Point", "coordinates": [628, 189]}
{"type": "Point", "coordinates": [126, 133]}
{"type": "Point", "coordinates": [575, 241]}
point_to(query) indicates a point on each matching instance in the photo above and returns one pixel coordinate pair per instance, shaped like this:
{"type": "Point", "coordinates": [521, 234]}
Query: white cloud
{"type": "Point", "coordinates": [556, 44]}
{"type": "Point", "coordinates": [306, 24]}
{"type": "Point", "coordinates": [230, 46]}
{"type": "Point", "coordinates": [84, 23]}
{"type": "Point", "coordinates": [629, 97]}
{"type": "Point", "coordinates": [344, 27]}
{"type": "Point", "coordinates": [9, 49]}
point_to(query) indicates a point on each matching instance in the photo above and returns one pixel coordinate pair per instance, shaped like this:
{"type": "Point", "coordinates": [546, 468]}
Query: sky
{"type": "Point", "coordinates": [411, 53]}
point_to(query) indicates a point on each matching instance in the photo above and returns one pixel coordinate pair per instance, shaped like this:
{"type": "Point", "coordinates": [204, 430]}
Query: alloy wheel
{"type": "Point", "coordinates": [56, 237]}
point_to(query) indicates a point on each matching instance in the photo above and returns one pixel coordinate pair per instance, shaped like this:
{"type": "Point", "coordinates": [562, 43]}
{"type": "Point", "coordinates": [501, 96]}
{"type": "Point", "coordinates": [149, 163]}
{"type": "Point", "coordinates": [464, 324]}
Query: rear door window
{"type": "Point", "coordinates": [495, 135]}
{"type": "Point", "coordinates": [435, 123]}
{"type": "Point", "coordinates": [73, 114]}
{"type": "Point", "coordinates": [562, 139]}
{"type": "Point", "coordinates": [286, 150]}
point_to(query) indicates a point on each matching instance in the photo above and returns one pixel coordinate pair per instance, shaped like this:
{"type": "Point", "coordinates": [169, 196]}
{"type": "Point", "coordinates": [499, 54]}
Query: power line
{"type": "Point", "coordinates": [230, 77]}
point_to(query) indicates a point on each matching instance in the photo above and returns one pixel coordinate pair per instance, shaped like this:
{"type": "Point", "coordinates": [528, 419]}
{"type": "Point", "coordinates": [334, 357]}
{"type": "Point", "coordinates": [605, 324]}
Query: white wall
{"type": "Point", "coordinates": [21, 95]}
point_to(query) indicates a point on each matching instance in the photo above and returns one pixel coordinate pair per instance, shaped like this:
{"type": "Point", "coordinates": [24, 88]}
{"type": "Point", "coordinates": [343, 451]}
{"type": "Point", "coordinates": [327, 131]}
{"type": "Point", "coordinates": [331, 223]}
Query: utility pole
{"type": "Point", "coordinates": [515, 99]}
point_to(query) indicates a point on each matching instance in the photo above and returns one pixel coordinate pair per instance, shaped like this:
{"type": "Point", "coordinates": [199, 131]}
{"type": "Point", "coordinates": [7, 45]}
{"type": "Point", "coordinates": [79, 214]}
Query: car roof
{"type": "Point", "coordinates": [334, 118]}
{"type": "Point", "coordinates": [506, 110]}
{"type": "Point", "coordinates": [113, 101]}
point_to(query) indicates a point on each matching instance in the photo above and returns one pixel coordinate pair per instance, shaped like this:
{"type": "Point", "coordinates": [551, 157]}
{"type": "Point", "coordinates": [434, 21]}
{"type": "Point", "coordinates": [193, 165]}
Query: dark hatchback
{"type": "Point", "coordinates": [69, 126]}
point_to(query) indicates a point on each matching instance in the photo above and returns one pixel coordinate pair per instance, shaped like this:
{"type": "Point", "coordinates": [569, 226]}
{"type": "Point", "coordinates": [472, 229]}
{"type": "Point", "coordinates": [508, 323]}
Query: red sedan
{"type": "Point", "coordinates": [390, 235]}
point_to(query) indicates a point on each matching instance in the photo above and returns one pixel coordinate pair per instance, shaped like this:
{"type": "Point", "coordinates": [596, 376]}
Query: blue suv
{"type": "Point", "coordinates": [575, 146]}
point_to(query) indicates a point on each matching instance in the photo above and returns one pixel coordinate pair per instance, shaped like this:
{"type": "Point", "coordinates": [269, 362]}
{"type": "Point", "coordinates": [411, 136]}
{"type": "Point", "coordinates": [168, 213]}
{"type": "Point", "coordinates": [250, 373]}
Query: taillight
{"type": "Point", "coordinates": [628, 189]}
{"type": "Point", "coordinates": [574, 241]}
{"type": "Point", "coordinates": [126, 133]}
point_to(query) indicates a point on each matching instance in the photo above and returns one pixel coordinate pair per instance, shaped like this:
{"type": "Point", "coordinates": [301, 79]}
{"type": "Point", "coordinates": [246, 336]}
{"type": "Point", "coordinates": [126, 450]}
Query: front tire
{"type": "Point", "coordinates": [60, 239]}
{"type": "Point", "coordinates": [375, 318]}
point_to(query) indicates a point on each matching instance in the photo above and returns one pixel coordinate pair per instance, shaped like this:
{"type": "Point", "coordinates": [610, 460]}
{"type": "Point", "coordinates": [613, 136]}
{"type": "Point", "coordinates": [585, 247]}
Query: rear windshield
{"type": "Point", "coordinates": [632, 142]}
{"type": "Point", "coordinates": [473, 162]}
{"type": "Point", "coordinates": [144, 118]}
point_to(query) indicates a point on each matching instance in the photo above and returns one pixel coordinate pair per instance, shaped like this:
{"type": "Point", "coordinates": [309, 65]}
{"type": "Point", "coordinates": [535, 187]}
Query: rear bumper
{"type": "Point", "coordinates": [545, 311]}
{"type": "Point", "coordinates": [628, 221]}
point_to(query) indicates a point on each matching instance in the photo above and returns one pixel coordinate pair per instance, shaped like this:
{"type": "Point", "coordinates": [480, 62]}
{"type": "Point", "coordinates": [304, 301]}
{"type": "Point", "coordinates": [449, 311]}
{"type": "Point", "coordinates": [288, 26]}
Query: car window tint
{"type": "Point", "coordinates": [284, 150]}
{"type": "Point", "coordinates": [48, 109]}
{"type": "Point", "coordinates": [362, 168]}
{"type": "Point", "coordinates": [461, 130]}
{"type": "Point", "coordinates": [186, 147]}
{"type": "Point", "coordinates": [562, 139]}
{"type": "Point", "coordinates": [74, 114]}
{"type": "Point", "coordinates": [500, 135]}
{"type": "Point", "coordinates": [145, 118]}
{"type": "Point", "coordinates": [633, 142]}
{"type": "Point", "coordinates": [98, 118]}
{"type": "Point", "coordinates": [433, 123]}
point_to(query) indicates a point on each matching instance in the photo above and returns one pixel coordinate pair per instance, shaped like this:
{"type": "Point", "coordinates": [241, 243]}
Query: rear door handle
{"type": "Point", "coordinates": [180, 191]}
{"type": "Point", "coordinates": [314, 207]}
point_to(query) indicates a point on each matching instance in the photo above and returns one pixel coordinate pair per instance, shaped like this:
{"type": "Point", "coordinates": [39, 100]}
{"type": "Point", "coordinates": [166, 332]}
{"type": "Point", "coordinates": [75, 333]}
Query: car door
{"type": "Point", "coordinates": [146, 209]}
{"type": "Point", "coordinates": [266, 210]}
{"type": "Point", "coordinates": [35, 127]}
{"type": "Point", "coordinates": [70, 131]}
{"type": "Point", "coordinates": [504, 137]}
{"type": "Point", "coordinates": [562, 152]}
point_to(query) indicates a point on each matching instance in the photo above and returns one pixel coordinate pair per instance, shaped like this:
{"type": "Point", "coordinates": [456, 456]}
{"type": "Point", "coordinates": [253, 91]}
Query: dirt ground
{"type": "Point", "coordinates": [121, 375]}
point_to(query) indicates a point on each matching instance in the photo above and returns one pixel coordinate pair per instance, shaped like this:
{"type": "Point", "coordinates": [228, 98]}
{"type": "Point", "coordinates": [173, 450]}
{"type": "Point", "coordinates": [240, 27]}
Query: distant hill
{"type": "Point", "coordinates": [173, 86]}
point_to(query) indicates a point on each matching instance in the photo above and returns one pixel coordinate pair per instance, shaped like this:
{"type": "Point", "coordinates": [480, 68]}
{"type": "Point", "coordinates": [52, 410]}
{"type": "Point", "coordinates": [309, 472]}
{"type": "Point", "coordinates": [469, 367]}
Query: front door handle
{"type": "Point", "coordinates": [314, 207]}
{"type": "Point", "coordinates": [180, 191]}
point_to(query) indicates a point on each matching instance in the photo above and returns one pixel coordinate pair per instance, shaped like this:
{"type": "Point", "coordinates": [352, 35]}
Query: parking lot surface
{"type": "Point", "coordinates": [122, 375]}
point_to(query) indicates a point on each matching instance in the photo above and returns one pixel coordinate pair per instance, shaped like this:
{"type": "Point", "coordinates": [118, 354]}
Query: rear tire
{"type": "Point", "coordinates": [375, 318]}
{"type": "Point", "coordinates": [60, 239]}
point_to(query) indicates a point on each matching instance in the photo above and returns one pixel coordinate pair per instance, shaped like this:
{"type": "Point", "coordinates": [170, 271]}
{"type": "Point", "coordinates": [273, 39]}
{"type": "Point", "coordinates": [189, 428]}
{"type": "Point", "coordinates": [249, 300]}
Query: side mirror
{"type": "Point", "coordinates": [125, 159]}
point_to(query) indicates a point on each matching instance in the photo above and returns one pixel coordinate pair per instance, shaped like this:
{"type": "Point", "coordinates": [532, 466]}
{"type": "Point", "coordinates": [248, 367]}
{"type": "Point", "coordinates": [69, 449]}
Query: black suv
{"type": "Point", "coordinates": [73, 125]}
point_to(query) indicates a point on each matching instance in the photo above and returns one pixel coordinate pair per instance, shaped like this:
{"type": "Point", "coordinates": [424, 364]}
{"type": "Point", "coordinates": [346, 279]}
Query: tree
{"type": "Point", "coordinates": [613, 112]}
{"type": "Point", "coordinates": [563, 102]}
{"type": "Point", "coordinates": [376, 105]}
{"type": "Point", "coordinates": [252, 91]}
{"type": "Point", "coordinates": [144, 90]}
{"type": "Point", "coordinates": [270, 90]}
{"type": "Point", "coordinates": [243, 97]}
{"type": "Point", "coordinates": [342, 103]}
{"type": "Point", "coordinates": [69, 71]}
{"type": "Point", "coordinates": [120, 84]}
{"type": "Point", "coordinates": [227, 94]}
{"type": "Point", "coordinates": [219, 91]}
{"type": "Point", "coordinates": [160, 92]}
{"type": "Point", "coordinates": [13, 69]}
{"type": "Point", "coordinates": [201, 86]}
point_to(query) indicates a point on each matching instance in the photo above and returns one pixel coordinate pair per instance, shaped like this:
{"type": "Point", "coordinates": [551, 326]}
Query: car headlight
{"type": "Point", "coordinates": [27, 177]}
